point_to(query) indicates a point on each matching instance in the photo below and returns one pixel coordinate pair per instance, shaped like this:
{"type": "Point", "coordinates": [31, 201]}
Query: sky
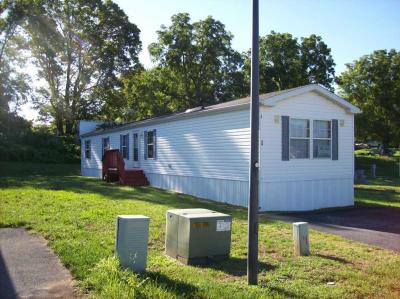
{"type": "Point", "coordinates": [351, 28]}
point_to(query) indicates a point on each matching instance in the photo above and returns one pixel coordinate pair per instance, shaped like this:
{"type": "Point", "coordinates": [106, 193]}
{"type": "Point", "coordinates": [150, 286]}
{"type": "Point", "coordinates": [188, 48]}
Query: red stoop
{"type": "Point", "coordinates": [134, 177]}
{"type": "Point", "coordinates": [113, 169]}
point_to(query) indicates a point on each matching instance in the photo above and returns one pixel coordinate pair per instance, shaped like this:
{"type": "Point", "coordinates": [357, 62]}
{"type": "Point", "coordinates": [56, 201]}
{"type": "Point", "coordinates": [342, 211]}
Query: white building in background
{"type": "Point", "coordinates": [306, 150]}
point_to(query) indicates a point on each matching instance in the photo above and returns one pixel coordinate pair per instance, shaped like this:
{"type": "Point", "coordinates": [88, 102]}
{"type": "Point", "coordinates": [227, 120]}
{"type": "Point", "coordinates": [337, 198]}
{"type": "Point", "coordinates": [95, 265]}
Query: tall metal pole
{"type": "Point", "coordinates": [252, 254]}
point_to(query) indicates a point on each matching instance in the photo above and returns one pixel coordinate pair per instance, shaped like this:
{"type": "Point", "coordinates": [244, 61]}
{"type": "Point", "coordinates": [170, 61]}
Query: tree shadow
{"type": "Point", "coordinates": [180, 288]}
{"type": "Point", "coordinates": [334, 258]}
{"type": "Point", "coordinates": [115, 191]}
{"type": "Point", "coordinates": [7, 289]}
{"type": "Point", "coordinates": [235, 266]}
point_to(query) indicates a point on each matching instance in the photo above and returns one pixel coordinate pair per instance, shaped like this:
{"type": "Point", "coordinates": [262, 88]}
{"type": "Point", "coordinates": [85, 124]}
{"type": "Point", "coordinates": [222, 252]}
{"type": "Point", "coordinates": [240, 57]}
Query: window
{"type": "Point", "coordinates": [106, 144]}
{"type": "Point", "coordinates": [299, 133]}
{"type": "Point", "coordinates": [87, 149]}
{"type": "Point", "coordinates": [135, 147]}
{"type": "Point", "coordinates": [322, 139]}
{"type": "Point", "coordinates": [150, 141]}
{"type": "Point", "coordinates": [150, 145]}
{"type": "Point", "coordinates": [124, 148]}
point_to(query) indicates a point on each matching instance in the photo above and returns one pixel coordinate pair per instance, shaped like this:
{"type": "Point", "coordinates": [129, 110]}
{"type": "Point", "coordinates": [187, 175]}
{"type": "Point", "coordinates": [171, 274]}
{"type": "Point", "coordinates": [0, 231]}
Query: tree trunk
{"type": "Point", "coordinates": [69, 127]}
{"type": "Point", "coordinates": [385, 145]}
{"type": "Point", "coordinates": [60, 126]}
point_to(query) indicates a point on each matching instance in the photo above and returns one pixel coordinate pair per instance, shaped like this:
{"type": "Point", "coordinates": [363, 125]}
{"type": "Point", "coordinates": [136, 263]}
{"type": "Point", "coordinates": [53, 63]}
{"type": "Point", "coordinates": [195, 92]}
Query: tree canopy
{"type": "Point", "coordinates": [14, 85]}
{"type": "Point", "coordinates": [286, 63]}
{"type": "Point", "coordinates": [86, 54]}
{"type": "Point", "coordinates": [373, 84]}
{"type": "Point", "coordinates": [80, 47]}
{"type": "Point", "coordinates": [205, 67]}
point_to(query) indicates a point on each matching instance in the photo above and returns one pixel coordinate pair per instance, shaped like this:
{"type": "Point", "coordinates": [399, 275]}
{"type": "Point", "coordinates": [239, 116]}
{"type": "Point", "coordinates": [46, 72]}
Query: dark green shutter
{"type": "Point", "coordinates": [335, 139]}
{"type": "Point", "coordinates": [285, 138]}
{"type": "Point", "coordinates": [155, 143]}
{"type": "Point", "coordinates": [145, 144]}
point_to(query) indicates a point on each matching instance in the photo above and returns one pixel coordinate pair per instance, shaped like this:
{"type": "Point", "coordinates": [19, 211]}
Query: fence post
{"type": "Point", "coordinates": [373, 171]}
{"type": "Point", "coordinates": [300, 239]}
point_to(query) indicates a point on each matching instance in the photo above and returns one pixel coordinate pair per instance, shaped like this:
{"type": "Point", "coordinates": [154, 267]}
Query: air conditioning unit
{"type": "Point", "coordinates": [194, 236]}
{"type": "Point", "coordinates": [132, 239]}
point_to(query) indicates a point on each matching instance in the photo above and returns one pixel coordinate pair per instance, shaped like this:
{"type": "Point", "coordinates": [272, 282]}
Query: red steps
{"type": "Point", "coordinates": [113, 169]}
{"type": "Point", "coordinates": [134, 177]}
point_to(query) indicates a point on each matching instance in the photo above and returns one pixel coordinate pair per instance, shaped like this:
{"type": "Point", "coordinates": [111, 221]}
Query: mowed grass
{"type": "Point", "coordinates": [381, 191]}
{"type": "Point", "coordinates": [77, 216]}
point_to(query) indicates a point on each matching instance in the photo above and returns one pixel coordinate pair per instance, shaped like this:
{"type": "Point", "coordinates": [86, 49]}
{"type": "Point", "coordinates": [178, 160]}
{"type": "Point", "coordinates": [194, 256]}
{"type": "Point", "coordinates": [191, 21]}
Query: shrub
{"type": "Point", "coordinates": [20, 141]}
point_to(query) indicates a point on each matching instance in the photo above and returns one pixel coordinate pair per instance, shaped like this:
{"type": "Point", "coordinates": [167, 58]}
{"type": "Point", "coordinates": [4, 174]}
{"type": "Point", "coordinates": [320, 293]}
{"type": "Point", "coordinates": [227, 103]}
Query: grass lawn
{"type": "Point", "coordinates": [380, 192]}
{"type": "Point", "coordinates": [77, 215]}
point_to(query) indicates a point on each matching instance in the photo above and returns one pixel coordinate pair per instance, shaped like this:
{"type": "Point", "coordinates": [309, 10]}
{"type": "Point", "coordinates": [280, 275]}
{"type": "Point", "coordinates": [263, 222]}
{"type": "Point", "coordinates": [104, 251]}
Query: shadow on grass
{"type": "Point", "coordinates": [23, 224]}
{"type": "Point", "coordinates": [113, 191]}
{"type": "Point", "coordinates": [334, 258]}
{"type": "Point", "coordinates": [180, 288]}
{"type": "Point", "coordinates": [284, 292]}
{"type": "Point", "coordinates": [236, 266]}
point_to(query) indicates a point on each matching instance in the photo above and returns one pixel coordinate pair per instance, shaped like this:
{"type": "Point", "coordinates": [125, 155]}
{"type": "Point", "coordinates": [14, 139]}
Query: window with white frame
{"type": "Point", "coordinates": [87, 149]}
{"type": "Point", "coordinates": [322, 135]}
{"type": "Point", "coordinates": [299, 138]}
{"type": "Point", "coordinates": [125, 146]}
{"type": "Point", "coordinates": [150, 144]}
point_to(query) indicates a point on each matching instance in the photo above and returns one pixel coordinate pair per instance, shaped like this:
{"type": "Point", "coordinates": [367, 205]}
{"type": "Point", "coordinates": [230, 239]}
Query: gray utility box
{"type": "Point", "coordinates": [194, 236]}
{"type": "Point", "coordinates": [132, 238]}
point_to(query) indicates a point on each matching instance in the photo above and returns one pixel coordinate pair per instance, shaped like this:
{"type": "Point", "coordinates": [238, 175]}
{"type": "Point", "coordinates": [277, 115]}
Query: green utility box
{"type": "Point", "coordinates": [194, 236]}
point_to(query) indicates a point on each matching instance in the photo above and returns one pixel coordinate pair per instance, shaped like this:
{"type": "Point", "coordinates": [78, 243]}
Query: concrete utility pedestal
{"type": "Point", "coordinates": [300, 238]}
{"type": "Point", "coordinates": [132, 239]}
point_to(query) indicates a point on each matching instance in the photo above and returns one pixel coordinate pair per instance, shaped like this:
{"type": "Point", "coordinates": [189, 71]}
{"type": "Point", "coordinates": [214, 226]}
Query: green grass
{"type": "Point", "coordinates": [385, 166]}
{"type": "Point", "coordinates": [77, 216]}
{"type": "Point", "coordinates": [379, 192]}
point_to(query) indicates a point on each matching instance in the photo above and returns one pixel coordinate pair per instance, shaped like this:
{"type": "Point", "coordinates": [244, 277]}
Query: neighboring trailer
{"type": "Point", "coordinates": [205, 152]}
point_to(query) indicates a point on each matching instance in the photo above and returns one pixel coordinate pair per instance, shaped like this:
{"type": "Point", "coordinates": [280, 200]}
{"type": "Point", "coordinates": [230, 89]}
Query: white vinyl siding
{"type": "Point", "coordinates": [304, 184]}
{"type": "Point", "coordinates": [207, 155]}
{"type": "Point", "coordinates": [215, 145]}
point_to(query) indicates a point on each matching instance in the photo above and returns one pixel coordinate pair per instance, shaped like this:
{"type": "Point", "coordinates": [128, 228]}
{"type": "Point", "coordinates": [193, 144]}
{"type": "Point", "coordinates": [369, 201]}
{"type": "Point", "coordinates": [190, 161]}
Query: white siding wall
{"type": "Point", "coordinates": [305, 184]}
{"type": "Point", "coordinates": [204, 156]}
{"type": "Point", "coordinates": [208, 157]}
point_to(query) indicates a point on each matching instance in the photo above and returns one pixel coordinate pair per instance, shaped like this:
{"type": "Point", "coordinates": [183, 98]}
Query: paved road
{"type": "Point", "coordinates": [29, 269]}
{"type": "Point", "coordinates": [370, 225]}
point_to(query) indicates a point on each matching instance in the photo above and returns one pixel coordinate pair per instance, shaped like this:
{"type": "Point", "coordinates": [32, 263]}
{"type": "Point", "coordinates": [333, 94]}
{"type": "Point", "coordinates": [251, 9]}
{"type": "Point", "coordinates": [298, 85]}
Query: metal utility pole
{"type": "Point", "coordinates": [252, 251]}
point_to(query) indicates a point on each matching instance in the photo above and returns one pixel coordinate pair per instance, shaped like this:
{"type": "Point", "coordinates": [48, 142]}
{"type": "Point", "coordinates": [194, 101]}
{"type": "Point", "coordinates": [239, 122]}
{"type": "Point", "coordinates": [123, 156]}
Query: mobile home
{"type": "Point", "coordinates": [306, 150]}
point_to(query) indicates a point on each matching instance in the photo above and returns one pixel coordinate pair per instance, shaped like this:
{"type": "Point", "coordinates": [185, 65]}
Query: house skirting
{"type": "Point", "coordinates": [294, 195]}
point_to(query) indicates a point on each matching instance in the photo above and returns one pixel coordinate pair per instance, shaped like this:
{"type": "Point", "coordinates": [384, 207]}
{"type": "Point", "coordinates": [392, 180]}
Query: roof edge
{"type": "Point", "coordinates": [350, 108]}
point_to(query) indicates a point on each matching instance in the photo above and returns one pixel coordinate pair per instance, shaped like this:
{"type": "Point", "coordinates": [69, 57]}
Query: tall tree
{"type": "Point", "coordinates": [80, 48]}
{"type": "Point", "coordinates": [200, 56]}
{"type": "Point", "coordinates": [13, 83]}
{"type": "Point", "coordinates": [286, 63]}
{"type": "Point", "coordinates": [373, 84]}
{"type": "Point", "coordinates": [317, 63]}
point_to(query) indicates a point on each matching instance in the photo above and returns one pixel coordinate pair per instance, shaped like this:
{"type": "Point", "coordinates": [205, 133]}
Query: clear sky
{"type": "Point", "coordinates": [351, 28]}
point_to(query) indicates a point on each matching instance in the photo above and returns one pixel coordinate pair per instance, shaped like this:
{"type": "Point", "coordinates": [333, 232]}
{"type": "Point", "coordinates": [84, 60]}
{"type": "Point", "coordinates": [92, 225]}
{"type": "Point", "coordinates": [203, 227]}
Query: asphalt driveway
{"type": "Point", "coordinates": [371, 225]}
{"type": "Point", "coordinates": [29, 269]}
